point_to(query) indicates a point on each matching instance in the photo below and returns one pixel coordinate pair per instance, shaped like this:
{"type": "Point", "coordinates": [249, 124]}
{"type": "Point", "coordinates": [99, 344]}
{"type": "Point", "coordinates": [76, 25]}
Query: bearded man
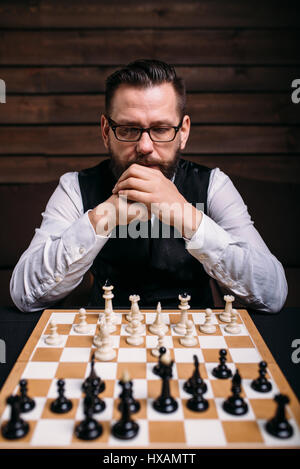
{"type": "Point", "coordinates": [153, 223]}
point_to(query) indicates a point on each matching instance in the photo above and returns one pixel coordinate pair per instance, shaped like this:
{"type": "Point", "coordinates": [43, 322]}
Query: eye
{"type": "Point", "coordinates": [125, 131]}
{"type": "Point", "coordinates": [161, 130]}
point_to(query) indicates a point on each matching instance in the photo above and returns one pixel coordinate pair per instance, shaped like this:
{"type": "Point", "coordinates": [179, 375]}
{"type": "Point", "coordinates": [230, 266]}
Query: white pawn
{"type": "Point", "coordinates": [233, 327]}
{"type": "Point", "coordinates": [208, 327]}
{"type": "Point", "coordinates": [226, 315]}
{"type": "Point", "coordinates": [189, 340]}
{"type": "Point", "coordinates": [82, 327]}
{"type": "Point", "coordinates": [105, 352]}
{"type": "Point", "coordinates": [158, 325]}
{"type": "Point", "coordinates": [135, 338]}
{"type": "Point", "coordinates": [53, 338]}
{"type": "Point", "coordinates": [161, 342]}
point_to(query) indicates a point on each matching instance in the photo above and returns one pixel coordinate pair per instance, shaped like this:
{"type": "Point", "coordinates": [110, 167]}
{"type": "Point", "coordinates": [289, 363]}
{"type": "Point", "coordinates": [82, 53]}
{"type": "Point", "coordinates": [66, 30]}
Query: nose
{"type": "Point", "coordinates": [145, 144]}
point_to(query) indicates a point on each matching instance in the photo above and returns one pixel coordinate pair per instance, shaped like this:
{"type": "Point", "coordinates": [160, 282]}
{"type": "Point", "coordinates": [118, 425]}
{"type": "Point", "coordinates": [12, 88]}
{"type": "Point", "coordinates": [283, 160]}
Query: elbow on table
{"type": "Point", "coordinates": [18, 297]}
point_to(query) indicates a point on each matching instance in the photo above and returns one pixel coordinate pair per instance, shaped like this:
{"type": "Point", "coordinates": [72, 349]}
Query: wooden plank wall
{"type": "Point", "coordinates": [239, 59]}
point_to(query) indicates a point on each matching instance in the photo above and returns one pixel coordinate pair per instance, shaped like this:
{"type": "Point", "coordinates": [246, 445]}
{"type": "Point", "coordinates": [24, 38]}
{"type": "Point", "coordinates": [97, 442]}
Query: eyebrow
{"type": "Point", "coordinates": [136, 124]}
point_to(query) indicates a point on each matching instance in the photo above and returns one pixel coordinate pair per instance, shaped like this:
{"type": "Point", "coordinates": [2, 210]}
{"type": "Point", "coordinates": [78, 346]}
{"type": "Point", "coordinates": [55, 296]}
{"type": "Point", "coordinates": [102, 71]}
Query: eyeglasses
{"type": "Point", "coordinates": [128, 133]}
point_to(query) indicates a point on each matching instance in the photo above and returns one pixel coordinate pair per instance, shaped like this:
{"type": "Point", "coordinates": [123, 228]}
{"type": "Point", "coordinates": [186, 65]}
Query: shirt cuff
{"type": "Point", "coordinates": [80, 240]}
{"type": "Point", "coordinates": [209, 242]}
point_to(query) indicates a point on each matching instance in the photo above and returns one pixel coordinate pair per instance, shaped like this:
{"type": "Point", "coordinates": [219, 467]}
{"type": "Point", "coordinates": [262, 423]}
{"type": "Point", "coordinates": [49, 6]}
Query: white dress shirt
{"type": "Point", "coordinates": [226, 243]}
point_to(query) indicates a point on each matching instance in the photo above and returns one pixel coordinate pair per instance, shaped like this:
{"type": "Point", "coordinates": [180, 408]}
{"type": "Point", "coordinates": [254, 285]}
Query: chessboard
{"type": "Point", "coordinates": [42, 365]}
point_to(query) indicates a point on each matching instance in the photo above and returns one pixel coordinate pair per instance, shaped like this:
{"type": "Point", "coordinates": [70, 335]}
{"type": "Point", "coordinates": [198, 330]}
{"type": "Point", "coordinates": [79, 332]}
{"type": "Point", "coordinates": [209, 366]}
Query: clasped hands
{"type": "Point", "coordinates": [140, 192]}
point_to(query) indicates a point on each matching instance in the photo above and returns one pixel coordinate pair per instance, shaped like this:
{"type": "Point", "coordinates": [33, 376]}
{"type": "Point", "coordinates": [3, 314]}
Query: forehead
{"type": "Point", "coordinates": [144, 104]}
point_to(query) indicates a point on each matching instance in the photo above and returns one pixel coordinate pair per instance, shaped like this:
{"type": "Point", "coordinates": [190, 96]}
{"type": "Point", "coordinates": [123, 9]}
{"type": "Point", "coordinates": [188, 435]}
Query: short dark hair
{"type": "Point", "coordinates": [144, 73]}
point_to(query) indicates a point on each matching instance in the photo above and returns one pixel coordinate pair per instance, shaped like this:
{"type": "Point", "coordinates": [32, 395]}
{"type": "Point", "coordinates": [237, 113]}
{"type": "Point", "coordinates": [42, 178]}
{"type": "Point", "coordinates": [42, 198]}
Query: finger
{"type": "Point", "coordinates": [132, 183]}
{"type": "Point", "coordinates": [135, 196]}
{"type": "Point", "coordinates": [138, 171]}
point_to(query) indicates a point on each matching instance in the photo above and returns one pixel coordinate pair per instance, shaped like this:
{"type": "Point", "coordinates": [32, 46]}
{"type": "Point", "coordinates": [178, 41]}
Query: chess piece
{"type": "Point", "coordinates": [279, 426]}
{"type": "Point", "coordinates": [26, 403]}
{"type": "Point", "coordinates": [235, 404]}
{"type": "Point", "coordinates": [160, 343]}
{"type": "Point", "coordinates": [233, 327]}
{"type": "Point", "coordinates": [222, 371]}
{"type": "Point", "coordinates": [97, 338]}
{"type": "Point", "coordinates": [61, 405]}
{"type": "Point", "coordinates": [105, 352]}
{"type": "Point", "coordinates": [208, 327]}
{"type": "Point", "coordinates": [134, 310]}
{"type": "Point", "coordinates": [109, 321]}
{"type": "Point", "coordinates": [197, 403]}
{"type": "Point", "coordinates": [261, 384]}
{"type": "Point", "coordinates": [165, 403]}
{"type": "Point", "coordinates": [16, 427]}
{"type": "Point", "coordinates": [158, 325]}
{"type": "Point", "coordinates": [94, 389]}
{"type": "Point", "coordinates": [226, 315]}
{"type": "Point", "coordinates": [189, 340]}
{"type": "Point", "coordinates": [195, 380]}
{"type": "Point", "coordinates": [127, 393]}
{"type": "Point", "coordinates": [88, 428]}
{"type": "Point", "coordinates": [135, 338]}
{"type": "Point", "coordinates": [125, 428]}
{"type": "Point", "coordinates": [108, 296]}
{"type": "Point", "coordinates": [184, 306]}
{"type": "Point", "coordinates": [53, 338]}
{"type": "Point", "coordinates": [92, 376]}
{"type": "Point", "coordinates": [83, 327]}
{"type": "Point", "coordinates": [156, 369]}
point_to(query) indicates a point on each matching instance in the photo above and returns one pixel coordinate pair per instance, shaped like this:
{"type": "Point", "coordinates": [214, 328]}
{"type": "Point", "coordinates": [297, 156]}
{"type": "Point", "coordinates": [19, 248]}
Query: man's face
{"type": "Point", "coordinates": [145, 107]}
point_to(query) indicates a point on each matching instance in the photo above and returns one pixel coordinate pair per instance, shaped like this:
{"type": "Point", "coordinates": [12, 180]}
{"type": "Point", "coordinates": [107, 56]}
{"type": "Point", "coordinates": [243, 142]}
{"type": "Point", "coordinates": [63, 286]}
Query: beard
{"type": "Point", "coordinates": [167, 169]}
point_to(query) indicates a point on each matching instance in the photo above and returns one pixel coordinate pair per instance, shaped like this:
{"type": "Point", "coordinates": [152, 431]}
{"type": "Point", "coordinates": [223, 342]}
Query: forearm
{"type": "Point", "coordinates": [53, 266]}
{"type": "Point", "coordinates": [251, 274]}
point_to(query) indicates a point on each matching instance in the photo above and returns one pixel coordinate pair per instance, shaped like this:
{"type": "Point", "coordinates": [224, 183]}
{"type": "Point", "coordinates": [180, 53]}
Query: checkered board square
{"type": "Point", "coordinates": [42, 365]}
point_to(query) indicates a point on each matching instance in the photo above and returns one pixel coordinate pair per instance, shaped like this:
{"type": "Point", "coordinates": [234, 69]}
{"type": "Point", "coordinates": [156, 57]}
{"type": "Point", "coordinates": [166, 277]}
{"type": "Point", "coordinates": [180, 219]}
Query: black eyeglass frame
{"type": "Point", "coordinates": [113, 125]}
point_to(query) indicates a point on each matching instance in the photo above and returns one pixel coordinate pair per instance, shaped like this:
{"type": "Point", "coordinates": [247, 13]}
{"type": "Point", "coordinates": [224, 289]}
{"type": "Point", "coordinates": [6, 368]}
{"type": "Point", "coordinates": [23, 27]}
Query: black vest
{"type": "Point", "coordinates": [155, 268]}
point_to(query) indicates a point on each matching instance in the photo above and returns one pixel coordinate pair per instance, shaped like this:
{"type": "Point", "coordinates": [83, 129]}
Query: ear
{"type": "Point", "coordinates": [185, 131]}
{"type": "Point", "coordinates": [104, 130]}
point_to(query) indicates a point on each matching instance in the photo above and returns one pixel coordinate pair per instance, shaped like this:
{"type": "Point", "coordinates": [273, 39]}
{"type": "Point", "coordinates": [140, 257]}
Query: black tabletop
{"type": "Point", "coordinates": [279, 331]}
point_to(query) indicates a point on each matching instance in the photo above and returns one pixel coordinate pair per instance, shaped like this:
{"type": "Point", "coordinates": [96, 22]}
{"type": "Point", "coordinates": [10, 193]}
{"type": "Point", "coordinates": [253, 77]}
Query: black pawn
{"type": "Point", "coordinates": [125, 428]}
{"type": "Point", "coordinates": [27, 404]}
{"type": "Point", "coordinates": [165, 403]}
{"type": "Point", "coordinates": [88, 428]}
{"type": "Point", "coordinates": [61, 405]}
{"type": "Point", "coordinates": [157, 367]}
{"type": "Point", "coordinates": [195, 379]}
{"type": "Point", "coordinates": [235, 404]}
{"type": "Point", "coordinates": [197, 403]}
{"type": "Point", "coordinates": [279, 426]}
{"type": "Point", "coordinates": [222, 371]}
{"type": "Point", "coordinates": [127, 393]}
{"type": "Point", "coordinates": [16, 427]}
{"type": "Point", "coordinates": [92, 376]}
{"type": "Point", "coordinates": [261, 384]}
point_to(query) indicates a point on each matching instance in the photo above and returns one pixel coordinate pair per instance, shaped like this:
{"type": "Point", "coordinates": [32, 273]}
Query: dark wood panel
{"type": "Point", "coordinates": [154, 13]}
{"type": "Point", "coordinates": [198, 78]}
{"type": "Point", "coordinates": [179, 47]}
{"type": "Point", "coordinates": [86, 139]}
{"type": "Point", "coordinates": [27, 169]}
{"type": "Point", "coordinates": [203, 108]}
